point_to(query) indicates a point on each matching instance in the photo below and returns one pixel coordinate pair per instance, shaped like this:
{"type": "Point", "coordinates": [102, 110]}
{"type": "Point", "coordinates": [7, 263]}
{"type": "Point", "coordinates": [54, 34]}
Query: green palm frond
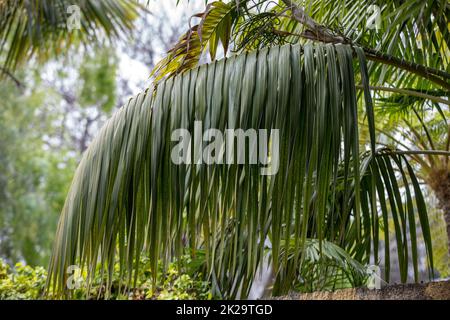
{"type": "Point", "coordinates": [39, 28]}
{"type": "Point", "coordinates": [325, 266]}
{"type": "Point", "coordinates": [128, 198]}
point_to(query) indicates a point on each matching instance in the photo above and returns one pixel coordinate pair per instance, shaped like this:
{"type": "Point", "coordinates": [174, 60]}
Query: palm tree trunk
{"type": "Point", "coordinates": [441, 186]}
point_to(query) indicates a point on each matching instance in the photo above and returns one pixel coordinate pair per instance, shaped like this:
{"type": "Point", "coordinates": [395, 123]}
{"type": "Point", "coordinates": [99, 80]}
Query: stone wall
{"type": "Point", "coordinates": [439, 290]}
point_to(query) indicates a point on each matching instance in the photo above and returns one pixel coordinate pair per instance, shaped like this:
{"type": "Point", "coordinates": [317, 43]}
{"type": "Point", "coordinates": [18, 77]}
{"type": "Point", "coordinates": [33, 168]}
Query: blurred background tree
{"type": "Point", "coordinates": [51, 108]}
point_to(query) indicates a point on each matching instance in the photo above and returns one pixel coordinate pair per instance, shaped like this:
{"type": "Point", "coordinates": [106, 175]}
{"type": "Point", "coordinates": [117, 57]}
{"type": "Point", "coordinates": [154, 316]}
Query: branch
{"type": "Point", "coordinates": [429, 152]}
{"type": "Point", "coordinates": [409, 93]}
{"type": "Point", "coordinates": [425, 72]}
{"type": "Point", "coordinates": [19, 84]}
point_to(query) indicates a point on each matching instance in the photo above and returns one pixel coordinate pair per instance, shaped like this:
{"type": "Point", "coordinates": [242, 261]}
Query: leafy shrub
{"type": "Point", "coordinates": [178, 282]}
{"type": "Point", "coordinates": [21, 282]}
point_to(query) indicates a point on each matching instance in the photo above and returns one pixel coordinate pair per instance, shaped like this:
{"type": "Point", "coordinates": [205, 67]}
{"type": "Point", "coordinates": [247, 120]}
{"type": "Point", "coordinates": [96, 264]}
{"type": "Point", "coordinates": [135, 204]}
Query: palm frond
{"type": "Point", "coordinates": [326, 266]}
{"type": "Point", "coordinates": [128, 198]}
{"type": "Point", "coordinates": [39, 28]}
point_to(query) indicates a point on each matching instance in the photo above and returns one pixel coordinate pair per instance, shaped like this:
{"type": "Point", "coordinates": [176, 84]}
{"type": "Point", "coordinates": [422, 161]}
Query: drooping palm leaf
{"type": "Point", "coordinates": [128, 198]}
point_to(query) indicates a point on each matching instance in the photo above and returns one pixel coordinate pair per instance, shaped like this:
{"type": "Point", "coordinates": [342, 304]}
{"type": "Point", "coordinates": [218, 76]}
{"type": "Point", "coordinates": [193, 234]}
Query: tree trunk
{"type": "Point", "coordinates": [441, 186]}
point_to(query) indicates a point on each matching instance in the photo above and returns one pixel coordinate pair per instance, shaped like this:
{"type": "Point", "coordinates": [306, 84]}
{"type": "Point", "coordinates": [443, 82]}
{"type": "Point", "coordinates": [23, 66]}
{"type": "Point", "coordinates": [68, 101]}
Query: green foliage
{"type": "Point", "coordinates": [33, 178]}
{"type": "Point", "coordinates": [176, 281]}
{"type": "Point", "coordinates": [39, 28]}
{"type": "Point", "coordinates": [98, 74]}
{"type": "Point", "coordinates": [180, 281]}
{"type": "Point", "coordinates": [22, 282]}
{"type": "Point", "coordinates": [39, 153]}
{"type": "Point", "coordinates": [326, 267]}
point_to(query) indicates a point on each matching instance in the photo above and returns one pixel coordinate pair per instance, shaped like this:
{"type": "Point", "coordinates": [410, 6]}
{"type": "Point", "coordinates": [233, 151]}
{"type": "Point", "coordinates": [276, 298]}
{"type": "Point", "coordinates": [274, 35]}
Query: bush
{"type": "Point", "coordinates": [21, 282]}
{"type": "Point", "coordinates": [179, 282]}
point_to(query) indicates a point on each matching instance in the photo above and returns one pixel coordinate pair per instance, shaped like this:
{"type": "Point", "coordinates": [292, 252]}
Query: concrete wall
{"type": "Point", "coordinates": [427, 291]}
